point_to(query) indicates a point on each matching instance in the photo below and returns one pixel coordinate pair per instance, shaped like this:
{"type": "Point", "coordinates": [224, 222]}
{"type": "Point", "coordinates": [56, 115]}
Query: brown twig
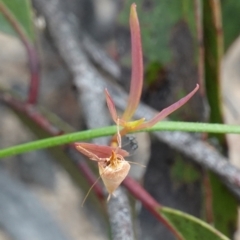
{"type": "Point", "coordinates": [199, 26]}
{"type": "Point", "coordinates": [217, 21]}
{"type": "Point", "coordinates": [31, 53]}
{"type": "Point", "coordinates": [208, 199]}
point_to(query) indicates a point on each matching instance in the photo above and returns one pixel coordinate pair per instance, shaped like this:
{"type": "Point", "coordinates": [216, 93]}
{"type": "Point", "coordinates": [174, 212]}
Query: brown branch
{"type": "Point", "coordinates": [199, 26]}
{"type": "Point", "coordinates": [217, 21]}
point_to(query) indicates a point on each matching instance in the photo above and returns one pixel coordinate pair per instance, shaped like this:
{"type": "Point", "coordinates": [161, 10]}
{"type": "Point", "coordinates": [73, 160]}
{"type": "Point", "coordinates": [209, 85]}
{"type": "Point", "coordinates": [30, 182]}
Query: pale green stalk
{"type": "Point", "coordinates": [106, 131]}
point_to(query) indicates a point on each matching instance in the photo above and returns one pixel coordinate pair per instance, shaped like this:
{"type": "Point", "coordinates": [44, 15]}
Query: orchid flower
{"type": "Point", "coordinates": [113, 168]}
{"type": "Point", "coordinates": [136, 88]}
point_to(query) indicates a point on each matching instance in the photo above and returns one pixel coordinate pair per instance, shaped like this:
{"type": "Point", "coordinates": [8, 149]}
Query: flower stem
{"type": "Point", "coordinates": [106, 131]}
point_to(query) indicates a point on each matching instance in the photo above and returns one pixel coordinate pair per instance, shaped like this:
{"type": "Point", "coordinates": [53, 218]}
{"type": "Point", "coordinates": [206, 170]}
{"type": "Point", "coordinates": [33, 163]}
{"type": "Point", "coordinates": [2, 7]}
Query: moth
{"type": "Point", "coordinates": [113, 168]}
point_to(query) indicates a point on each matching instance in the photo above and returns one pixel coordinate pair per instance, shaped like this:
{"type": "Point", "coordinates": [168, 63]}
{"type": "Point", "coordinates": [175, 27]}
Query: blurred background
{"type": "Point", "coordinates": [38, 197]}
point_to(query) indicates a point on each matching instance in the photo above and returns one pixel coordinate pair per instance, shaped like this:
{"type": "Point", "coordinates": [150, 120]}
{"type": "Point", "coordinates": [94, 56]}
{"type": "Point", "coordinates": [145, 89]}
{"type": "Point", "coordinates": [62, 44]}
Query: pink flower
{"type": "Point", "coordinates": [113, 168]}
{"type": "Point", "coordinates": [136, 87]}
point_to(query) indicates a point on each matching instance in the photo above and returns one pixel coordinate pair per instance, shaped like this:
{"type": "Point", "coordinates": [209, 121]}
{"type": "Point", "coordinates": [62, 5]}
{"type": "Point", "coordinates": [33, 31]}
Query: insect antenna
{"type": "Point", "coordinates": [90, 189]}
{"type": "Point", "coordinates": [136, 163]}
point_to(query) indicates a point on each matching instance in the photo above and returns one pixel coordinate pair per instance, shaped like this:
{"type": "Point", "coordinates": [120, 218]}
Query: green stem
{"type": "Point", "coordinates": [213, 43]}
{"type": "Point", "coordinates": [106, 131]}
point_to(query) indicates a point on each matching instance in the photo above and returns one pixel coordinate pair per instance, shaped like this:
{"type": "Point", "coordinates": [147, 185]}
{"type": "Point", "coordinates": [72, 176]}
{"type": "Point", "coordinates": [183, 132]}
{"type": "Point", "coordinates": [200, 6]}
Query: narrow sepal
{"type": "Point", "coordinates": [111, 106]}
{"type": "Point", "coordinates": [165, 112]}
{"type": "Point", "coordinates": [137, 66]}
{"type": "Point", "coordinates": [95, 151]}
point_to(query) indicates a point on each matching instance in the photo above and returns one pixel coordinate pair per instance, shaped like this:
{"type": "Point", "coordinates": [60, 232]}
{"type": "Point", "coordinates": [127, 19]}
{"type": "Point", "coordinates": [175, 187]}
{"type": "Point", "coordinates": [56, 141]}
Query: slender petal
{"type": "Point", "coordinates": [165, 112]}
{"type": "Point", "coordinates": [137, 66]}
{"type": "Point", "coordinates": [111, 106]}
{"type": "Point", "coordinates": [94, 151]}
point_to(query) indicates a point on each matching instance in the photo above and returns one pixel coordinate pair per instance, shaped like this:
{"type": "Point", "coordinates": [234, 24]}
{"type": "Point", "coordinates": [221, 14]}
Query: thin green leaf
{"type": "Point", "coordinates": [21, 11]}
{"type": "Point", "coordinates": [225, 219]}
{"type": "Point", "coordinates": [191, 228]}
{"type": "Point", "coordinates": [107, 131]}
